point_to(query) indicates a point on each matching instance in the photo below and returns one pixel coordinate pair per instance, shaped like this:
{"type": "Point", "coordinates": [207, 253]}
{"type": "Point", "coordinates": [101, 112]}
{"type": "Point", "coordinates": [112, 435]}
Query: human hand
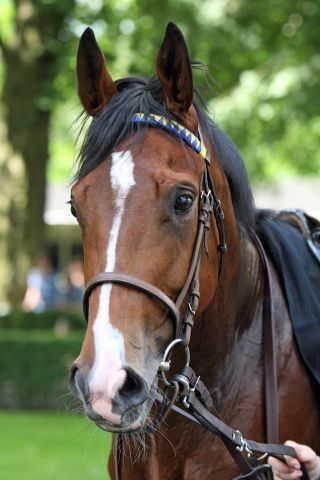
{"type": "Point", "coordinates": [291, 470]}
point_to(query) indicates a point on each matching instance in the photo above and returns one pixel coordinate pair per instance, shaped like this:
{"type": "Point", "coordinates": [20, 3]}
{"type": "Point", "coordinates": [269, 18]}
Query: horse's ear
{"type": "Point", "coordinates": [95, 85]}
{"type": "Point", "coordinates": [174, 71]}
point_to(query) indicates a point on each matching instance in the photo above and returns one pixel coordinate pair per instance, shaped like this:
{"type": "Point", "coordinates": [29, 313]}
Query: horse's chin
{"type": "Point", "coordinates": [132, 421]}
{"type": "Point", "coordinates": [132, 428]}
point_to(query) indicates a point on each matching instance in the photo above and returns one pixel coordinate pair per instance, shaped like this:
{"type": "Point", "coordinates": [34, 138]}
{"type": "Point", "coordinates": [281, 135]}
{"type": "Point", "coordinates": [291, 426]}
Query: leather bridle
{"type": "Point", "coordinates": [208, 204]}
{"type": "Point", "coordinates": [185, 387]}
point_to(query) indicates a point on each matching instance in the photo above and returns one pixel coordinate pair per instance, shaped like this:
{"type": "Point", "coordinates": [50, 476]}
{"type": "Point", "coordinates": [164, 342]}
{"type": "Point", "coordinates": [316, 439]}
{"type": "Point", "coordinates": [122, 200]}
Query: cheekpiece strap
{"type": "Point", "coordinates": [173, 127]}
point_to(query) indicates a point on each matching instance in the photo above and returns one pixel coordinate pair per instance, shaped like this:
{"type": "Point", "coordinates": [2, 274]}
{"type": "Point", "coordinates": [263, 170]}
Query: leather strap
{"type": "Point", "coordinates": [117, 455]}
{"type": "Point", "coordinates": [192, 268]}
{"type": "Point", "coordinates": [305, 475]}
{"type": "Point", "coordinates": [260, 472]}
{"type": "Point", "coordinates": [232, 438]}
{"type": "Point", "coordinates": [201, 390]}
{"type": "Point", "coordinates": [128, 280]}
{"type": "Point", "coordinates": [270, 368]}
{"type": "Point", "coordinates": [218, 427]}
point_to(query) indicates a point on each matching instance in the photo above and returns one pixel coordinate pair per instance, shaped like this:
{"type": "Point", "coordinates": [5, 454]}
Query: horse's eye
{"type": "Point", "coordinates": [72, 209]}
{"type": "Point", "coordinates": [183, 203]}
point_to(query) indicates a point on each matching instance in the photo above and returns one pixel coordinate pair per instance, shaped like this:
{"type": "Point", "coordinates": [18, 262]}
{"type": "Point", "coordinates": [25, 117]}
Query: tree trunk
{"type": "Point", "coordinates": [12, 202]}
{"type": "Point", "coordinates": [31, 59]}
{"type": "Point", "coordinates": [28, 137]}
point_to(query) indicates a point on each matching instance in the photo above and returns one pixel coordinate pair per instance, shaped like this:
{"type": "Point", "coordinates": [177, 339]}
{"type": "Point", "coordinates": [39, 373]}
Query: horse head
{"type": "Point", "coordinates": [137, 200]}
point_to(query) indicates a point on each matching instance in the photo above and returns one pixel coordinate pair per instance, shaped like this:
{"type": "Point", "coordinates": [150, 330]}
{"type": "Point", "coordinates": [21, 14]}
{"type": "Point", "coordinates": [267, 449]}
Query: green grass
{"type": "Point", "coordinates": [49, 446]}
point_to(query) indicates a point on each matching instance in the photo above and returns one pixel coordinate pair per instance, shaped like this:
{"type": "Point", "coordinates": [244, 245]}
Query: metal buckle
{"type": "Point", "coordinates": [165, 363]}
{"type": "Point", "coordinates": [242, 442]}
{"type": "Point", "coordinates": [184, 387]}
{"type": "Point", "coordinates": [262, 457]}
{"type": "Point", "coordinates": [164, 366]}
{"type": "Point", "coordinates": [206, 208]}
{"type": "Point", "coordinates": [208, 198]}
{"type": "Point", "coordinates": [186, 394]}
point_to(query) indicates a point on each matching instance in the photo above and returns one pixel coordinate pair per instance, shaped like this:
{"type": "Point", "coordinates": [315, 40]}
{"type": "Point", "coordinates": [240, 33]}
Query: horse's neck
{"type": "Point", "coordinates": [228, 337]}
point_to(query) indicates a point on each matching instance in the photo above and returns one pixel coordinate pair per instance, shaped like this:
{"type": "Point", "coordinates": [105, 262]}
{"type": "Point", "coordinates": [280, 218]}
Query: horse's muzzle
{"type": "Point", "coordinates": [113, 409]}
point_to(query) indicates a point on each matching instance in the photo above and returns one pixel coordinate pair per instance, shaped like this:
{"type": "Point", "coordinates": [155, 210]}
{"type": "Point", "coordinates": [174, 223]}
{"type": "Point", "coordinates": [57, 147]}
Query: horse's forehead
{"type": "Point", "coordinates": [94, 178]}
{"type": "Point", "coordinates": [156, 154]}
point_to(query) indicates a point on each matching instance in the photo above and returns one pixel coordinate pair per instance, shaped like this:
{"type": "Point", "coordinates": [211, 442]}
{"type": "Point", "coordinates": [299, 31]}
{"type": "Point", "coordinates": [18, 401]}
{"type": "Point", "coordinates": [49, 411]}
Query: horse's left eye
{"type": "Point", "coordinates": [72, 209]}
{"type": "Point", "coordinates": [183, 203]}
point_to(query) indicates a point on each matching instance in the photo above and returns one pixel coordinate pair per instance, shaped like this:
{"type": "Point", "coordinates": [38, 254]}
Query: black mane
{"type": "Point", "coordinates": [114, 124]}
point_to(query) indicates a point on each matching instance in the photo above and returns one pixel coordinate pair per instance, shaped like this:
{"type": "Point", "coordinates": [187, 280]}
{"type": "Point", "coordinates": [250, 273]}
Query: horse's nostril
{"type": "Point", "coordinates": [72, 380]}
{"type": "Point", "coordinates": [133, 392]}
{"type": "Point", "coordinates": [73, 372]}
{"type": "Point", "coordinates": [131, 386]}
{"type": "Point", "coordinates": [78, 384]}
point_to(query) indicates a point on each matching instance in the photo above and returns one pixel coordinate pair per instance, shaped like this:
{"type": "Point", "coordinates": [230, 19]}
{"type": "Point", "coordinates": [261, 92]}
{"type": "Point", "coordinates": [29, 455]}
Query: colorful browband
{"type": "Point", "coordinates": [173, 127]}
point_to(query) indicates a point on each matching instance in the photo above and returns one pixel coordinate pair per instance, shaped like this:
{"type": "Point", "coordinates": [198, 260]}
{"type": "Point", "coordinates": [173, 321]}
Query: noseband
{"type": "Point", "coordinates": [209, 203]}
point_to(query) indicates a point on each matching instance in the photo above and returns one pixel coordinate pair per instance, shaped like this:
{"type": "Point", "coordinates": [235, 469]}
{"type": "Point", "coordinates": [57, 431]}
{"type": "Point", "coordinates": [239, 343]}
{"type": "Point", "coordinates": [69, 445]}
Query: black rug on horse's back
{"type": "Point", "coordinates": [299, 272]}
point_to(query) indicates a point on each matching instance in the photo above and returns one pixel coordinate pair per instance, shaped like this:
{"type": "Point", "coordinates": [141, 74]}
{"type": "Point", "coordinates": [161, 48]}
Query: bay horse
{"type": "Point", "coordinates": [136, 198]}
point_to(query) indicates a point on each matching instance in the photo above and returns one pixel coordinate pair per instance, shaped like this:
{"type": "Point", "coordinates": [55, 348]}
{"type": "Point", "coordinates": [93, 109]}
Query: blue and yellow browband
{"type": "Point", "coordinates": [174, 127]}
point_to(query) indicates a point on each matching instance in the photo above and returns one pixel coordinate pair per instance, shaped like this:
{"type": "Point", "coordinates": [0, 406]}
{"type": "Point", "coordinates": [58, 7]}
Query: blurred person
{"type": "Point", "coordinates": [291, 470]}
{"type": "Point", "coordinates": [75, 282]}
{"type": "Point", "coordinates": [41, 293]}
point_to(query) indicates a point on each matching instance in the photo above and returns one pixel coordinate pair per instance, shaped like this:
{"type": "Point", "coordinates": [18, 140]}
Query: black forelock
{"type": "Point", "coordinates": [114, 124]}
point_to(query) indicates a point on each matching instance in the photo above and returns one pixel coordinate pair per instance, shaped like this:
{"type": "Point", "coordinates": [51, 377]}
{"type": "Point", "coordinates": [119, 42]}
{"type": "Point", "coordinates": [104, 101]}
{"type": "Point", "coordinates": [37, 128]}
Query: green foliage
{"type": "Point", "coordinates": [6, 19]}
{"type": "Point", "coordinates": [49, 319]}
{"type": "Point", "coordinates": [277, 43]}
{"type": "Point", "coordinates": [34, 368]}
{"type": "Point", "coordinates": [51, 446]}
{"type": "Point", "coordinates": [264, 59]}
{"type": "Point", "coordinates": [63, 147]}
{"type": "Point", "coordinates": [275, 129]}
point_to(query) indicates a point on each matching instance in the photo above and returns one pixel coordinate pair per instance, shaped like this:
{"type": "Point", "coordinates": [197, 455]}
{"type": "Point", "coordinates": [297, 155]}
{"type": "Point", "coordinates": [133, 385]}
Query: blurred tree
{"type": "Point", "coordinates": [31, 54]}
{"type": "Point", "coordinates": [264, 60]}
{"type": "Point", "coordinates": [272, 108]}
{"type": "Point", "coordinates": [12, 201]}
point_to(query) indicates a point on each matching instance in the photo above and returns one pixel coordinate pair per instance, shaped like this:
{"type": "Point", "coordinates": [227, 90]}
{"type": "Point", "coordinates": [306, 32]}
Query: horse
{"type": "Point", "coordinates": [136, 198]}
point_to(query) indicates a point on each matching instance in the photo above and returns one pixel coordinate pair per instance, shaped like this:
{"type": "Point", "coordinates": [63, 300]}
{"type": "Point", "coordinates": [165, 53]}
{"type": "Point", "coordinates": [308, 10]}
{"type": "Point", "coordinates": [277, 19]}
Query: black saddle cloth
{"type": "Point", "coordinates": [299, 272]}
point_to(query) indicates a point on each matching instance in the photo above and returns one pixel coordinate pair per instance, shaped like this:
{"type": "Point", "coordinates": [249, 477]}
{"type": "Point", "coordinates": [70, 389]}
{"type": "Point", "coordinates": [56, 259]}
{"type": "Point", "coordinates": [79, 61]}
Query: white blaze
{"type": "Point", "coordinates": [106, 375]}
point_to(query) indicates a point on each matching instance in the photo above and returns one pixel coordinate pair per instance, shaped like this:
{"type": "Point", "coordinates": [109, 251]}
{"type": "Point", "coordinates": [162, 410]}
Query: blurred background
{"type": "Point", "coordinates": [264, 60]}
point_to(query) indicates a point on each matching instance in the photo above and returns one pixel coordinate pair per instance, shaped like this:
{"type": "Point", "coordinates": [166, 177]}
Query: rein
{"type": "Point", "coordinates": [185, 387]}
